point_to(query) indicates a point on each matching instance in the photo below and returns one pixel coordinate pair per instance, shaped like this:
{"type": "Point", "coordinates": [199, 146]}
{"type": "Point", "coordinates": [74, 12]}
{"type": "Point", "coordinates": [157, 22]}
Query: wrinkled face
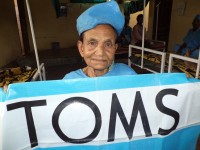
{"type": "Point", "coordinates": [98, 46]}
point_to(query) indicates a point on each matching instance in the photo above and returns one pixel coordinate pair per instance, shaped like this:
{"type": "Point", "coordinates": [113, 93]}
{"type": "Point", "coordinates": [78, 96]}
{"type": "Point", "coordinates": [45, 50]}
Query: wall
{"type": "Point", "coordinates": [50, 29]}
{"type": "Point", "coordinates": [9, 37]}
{"type": "Point", "coordinates": [180, 24]}
{"type": "Point", "coordinates": [47, 28]}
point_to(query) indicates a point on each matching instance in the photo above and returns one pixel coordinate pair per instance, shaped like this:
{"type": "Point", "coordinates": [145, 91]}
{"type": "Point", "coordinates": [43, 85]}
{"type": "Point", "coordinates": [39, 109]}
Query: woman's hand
{"type": "Point", "coordinates": [188, 52]}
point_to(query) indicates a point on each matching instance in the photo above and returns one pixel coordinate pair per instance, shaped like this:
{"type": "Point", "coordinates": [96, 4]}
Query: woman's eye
{"type": "Point", "coordinates": [92, 43]}
{"type": "Point", "coordinates": [108, 44]}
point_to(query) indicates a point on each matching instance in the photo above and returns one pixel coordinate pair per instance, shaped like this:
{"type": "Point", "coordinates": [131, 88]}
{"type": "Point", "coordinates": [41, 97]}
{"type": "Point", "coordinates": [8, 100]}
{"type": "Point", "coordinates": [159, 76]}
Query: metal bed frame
{"type": "Point", "coordinates": [163, 57]}
{"type": "Point", "coordinates": [37, 74]}
{"type": "Point", "coordinates": [197, 61]}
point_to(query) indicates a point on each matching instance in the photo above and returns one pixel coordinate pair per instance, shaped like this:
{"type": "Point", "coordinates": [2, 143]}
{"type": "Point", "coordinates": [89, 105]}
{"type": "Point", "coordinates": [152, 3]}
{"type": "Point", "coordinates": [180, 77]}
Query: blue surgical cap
{"type": "Point", "coordinates": [103, 13]}
{"type": "Point", "coordinates": [197, 17]}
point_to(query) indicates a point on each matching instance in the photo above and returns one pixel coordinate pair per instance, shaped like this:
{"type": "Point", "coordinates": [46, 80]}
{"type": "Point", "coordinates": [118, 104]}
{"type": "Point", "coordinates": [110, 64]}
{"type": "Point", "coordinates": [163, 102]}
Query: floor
{"type": "Point", "coordinates": [58, 72]}
{"type": "Point", "coordinates": [57, 62]}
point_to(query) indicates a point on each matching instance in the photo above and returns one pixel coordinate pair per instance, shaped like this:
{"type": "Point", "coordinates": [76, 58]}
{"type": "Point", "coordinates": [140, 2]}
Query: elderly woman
{"type": "Point", "coordinates": [98, 28]}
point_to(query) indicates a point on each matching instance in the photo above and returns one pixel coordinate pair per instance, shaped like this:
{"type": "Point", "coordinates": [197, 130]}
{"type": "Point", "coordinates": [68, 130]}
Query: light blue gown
{"type": "Point", "coordinates": [192, 39]}
{"type": "Point", "coordinates": [117, 69]}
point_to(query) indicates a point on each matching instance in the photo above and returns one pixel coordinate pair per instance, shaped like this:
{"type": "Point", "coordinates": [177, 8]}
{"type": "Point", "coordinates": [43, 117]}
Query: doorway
{"type": "Point", "coordinates": [162, 18]}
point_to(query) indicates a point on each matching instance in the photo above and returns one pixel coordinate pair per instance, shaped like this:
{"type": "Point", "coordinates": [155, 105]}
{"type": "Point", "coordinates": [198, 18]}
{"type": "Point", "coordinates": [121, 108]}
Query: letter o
{"type": "Point", "coordinates": [84, 101]}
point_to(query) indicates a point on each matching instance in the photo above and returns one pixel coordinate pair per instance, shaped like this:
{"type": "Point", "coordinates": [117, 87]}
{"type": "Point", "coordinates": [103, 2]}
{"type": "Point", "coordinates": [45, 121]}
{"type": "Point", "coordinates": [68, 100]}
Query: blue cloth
{"type": "Point", "coordinates": [192, 40]}
{"type": "Point", "coordinates": [103, 13]}
{"type": "Point", "coordinates": [118, 69]}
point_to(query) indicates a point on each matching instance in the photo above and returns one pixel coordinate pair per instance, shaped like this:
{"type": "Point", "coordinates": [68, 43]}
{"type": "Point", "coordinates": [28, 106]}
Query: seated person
{"type": "Point", "coordinates": [125, 37]}
{"type": "Point", "coordinates": [98, 28]}
{"type": "Point", "coordinates": [191, 42]}
{"type": "Point", "coordinates": [137, 33]}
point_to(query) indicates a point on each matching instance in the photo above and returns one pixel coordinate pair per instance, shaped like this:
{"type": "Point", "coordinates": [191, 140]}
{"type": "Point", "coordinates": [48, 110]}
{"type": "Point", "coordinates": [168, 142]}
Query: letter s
{"type": "Point", "coordinates": [167, 111]}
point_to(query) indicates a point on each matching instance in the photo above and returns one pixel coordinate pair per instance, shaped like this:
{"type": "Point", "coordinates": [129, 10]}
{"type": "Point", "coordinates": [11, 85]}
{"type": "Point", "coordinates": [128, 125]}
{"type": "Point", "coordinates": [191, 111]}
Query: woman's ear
{"type": "Point", "coordinates": [5, 88]}
{"type": "Point", "coordinates": [116, 46]}
{"type": "Point", "coordinates": [80, 47]}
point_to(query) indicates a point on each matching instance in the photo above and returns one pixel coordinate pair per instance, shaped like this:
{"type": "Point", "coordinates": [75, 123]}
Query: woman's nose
{"type": "Point", "coordinates": [99, 50]}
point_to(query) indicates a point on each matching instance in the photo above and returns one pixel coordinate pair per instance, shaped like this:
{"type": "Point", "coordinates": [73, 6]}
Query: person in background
{"type": "Point", "coordinates": [137, 34]}
{"type": "Point", "coordinates": [137, 31]}
{"type": "Point", "coordinates": [191, 42]}
{"type": "Point", "coordinates": [98, 28]}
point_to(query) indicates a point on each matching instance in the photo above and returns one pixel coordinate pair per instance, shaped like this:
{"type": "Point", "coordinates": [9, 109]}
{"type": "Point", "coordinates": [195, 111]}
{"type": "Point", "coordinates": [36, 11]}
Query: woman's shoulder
{"type": "Point", "coordinates": [123, 69]}
{"type": "Point", "coordinates": [121, 65]}
{"type": "Point", "coordinates": [75, 74]}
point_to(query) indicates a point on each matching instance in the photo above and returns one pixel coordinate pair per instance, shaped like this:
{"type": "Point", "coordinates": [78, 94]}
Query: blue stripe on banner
{"type": "Point", "coordinates": [43, 88]}
{"type": "Point", "coordinates": [184, 139]}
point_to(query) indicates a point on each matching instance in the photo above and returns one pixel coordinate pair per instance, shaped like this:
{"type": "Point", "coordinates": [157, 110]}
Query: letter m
{"type": "Point", "coordinates": [117, 109]}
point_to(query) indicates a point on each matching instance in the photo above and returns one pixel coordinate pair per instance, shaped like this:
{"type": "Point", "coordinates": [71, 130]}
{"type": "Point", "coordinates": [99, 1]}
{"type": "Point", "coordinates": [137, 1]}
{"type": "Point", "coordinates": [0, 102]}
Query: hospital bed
{"type": "Point", "coordinates": [21, 74]}
{"type": "Point", "coordinates": [159, 61]}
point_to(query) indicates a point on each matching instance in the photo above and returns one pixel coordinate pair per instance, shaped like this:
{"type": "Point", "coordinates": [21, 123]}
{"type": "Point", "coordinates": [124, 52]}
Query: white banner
{"type": "Point", "coordinates": [128, 112]}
